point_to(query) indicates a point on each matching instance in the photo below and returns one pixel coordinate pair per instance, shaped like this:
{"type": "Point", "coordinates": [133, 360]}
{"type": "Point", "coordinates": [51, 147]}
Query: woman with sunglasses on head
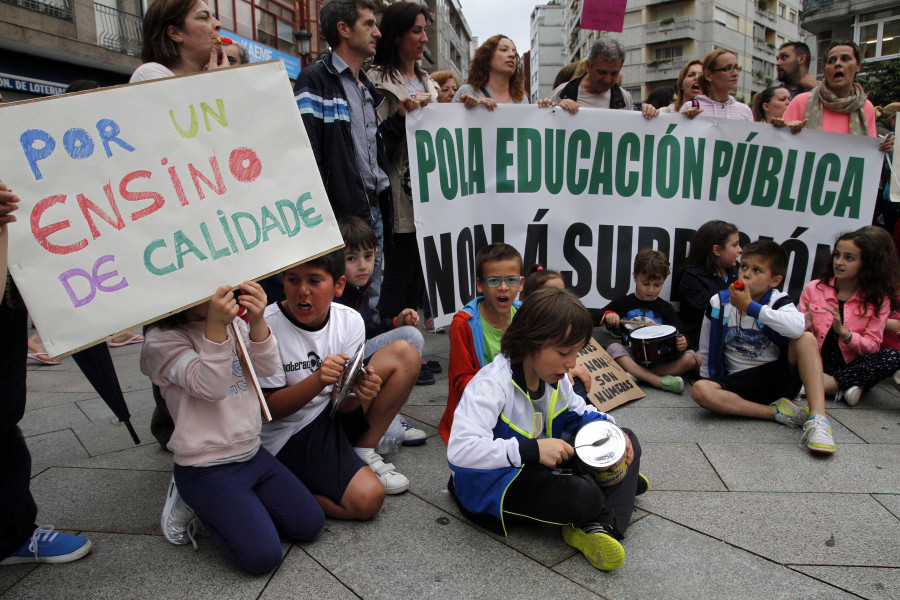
{"type": "Point", "coordinates": [719, 78]}
{"type": "Point", "coordinates": [838, 105]}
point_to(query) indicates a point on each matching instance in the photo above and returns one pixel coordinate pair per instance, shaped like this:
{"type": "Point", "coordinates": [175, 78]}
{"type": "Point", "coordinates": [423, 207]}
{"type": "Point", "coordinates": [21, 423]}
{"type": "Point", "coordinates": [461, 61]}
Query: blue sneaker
{"type": "Point", "coordinates": [49, 546]}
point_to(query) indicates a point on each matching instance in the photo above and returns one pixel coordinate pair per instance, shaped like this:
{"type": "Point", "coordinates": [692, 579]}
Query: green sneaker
{"type": "Point", "coordinates": [673, 383]}
{"type": "Point", "coordinates": [789, 413]}
{"type": "Point", "coordinates": [643, 484]}
{"type": "Point", "coordinates": [601, 549]}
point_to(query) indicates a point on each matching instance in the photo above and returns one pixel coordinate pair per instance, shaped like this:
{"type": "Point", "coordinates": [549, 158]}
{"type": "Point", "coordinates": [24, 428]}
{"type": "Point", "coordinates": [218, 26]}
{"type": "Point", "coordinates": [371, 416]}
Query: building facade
{"type": "Point", "coordinates": [450, 42]}
{"type": "Point", "coordinates": [548, 50]}
{"type": "Point", "coordinates": [873, 24]}
{"type": "Point", "coordinates": [661, 36]}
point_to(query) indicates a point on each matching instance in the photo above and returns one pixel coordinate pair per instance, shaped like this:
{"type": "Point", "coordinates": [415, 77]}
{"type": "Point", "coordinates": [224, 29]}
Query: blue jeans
{"type": "Point", "coordinates": [406, 332]}
{"type": "Point", "coordinates": [245, 505]}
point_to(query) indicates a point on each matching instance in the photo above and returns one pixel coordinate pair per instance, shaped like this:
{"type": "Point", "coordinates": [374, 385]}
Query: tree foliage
{"type": "Point", "coordinates": [881, 80]}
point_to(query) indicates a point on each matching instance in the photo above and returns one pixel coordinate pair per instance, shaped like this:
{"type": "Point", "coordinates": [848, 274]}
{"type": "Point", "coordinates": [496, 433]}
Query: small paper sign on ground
{"type": "Point", "coordinates": [140, 200]}
{"type": "Point", "coordinates": [611, 385]}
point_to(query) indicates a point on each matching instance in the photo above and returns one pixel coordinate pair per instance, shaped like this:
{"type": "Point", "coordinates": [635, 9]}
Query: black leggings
{"type": "Point", "coordinates": [547, 495]}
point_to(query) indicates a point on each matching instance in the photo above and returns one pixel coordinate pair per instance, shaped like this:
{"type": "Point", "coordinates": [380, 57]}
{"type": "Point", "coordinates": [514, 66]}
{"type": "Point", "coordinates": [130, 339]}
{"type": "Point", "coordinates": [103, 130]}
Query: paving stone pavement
{"type": "Point", "coordinates": [737, 509]}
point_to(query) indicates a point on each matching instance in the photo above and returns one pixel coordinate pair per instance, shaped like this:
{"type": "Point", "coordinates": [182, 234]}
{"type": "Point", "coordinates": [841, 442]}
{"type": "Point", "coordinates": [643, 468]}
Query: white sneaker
{"type": "Point", "coordinates": [411, 435]}
{"type": "Point", "coordinates": [817, 435]}
{"type": "Point", "coordinates": [177, 517]}
{"type": "Point", "coordinates": [851, 395]}
{"type": "Point", "coordinates": [393, 482]}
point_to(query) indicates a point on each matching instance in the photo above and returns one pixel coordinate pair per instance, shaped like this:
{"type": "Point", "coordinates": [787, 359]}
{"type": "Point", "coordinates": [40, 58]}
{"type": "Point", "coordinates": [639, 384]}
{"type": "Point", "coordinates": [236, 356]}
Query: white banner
{"type": "Point", "coordinates": [140, 200]}
{"type": "Point", "coordinates": [582, 193]}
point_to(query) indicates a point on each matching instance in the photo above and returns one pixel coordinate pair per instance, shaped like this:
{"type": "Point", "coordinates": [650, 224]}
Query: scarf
{"type": "Point", "coordinates": [821, 99]}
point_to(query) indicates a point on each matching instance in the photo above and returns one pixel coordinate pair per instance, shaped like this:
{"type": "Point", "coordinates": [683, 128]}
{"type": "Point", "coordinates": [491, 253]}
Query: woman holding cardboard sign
{"type": "Point", "coordinates": [180, 37]}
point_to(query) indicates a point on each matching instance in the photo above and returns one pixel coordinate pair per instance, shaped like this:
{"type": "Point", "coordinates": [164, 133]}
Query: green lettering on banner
{"type": "Point", "coordinates": [668, 166]}
{"type": "Point", "coordinates": [829, 168]}
{"type": "Point", "coordinates": [307, 215]}
{"type": "Point", "coordinates": [851, 189]}
{"type": "Point", "coordinates": [235, 218]}
{"type": "Point", "coordinates": [219, 117]}
{"type": "Point", "coordinates": [765, 189]}
{"type": "Point", "coordinates": [528, 142]}
{"type": "Point", "coordinates": [579, 147]}
{"type": "Point", "coordinates": [601, 170]}
{"type": "Point", "coordinates": [269, 222]}
{"type": "Point", "coordinates": [461, 161]}
{"type": "Point", "coordinates": [554, 159]}
{"type": "Point", "coordinates": [426, 161]}
{"type": "Point", "coordinates": [647, 164]}
{"type": "Point", "coordinates": [288, 206]}
{"type": "Point", "coordinates": [447, 164]}
{"type": "Point", "coordinates": [722, 152]}
{"type": "Point", "coordinates": [809, 161]}
{"type": "Point", "coordinates": [693, 167]}
{"type": "Point", "coordinates": [785, 202]}
{"type": "Point", "coordinates": [504, 160]}
{"type": "Point", "coordinates": [742, 173]}
{"type": "Point", "coordinates": [148, 263]}
{"type": "Point", "coordinates": [216, 252]}
{"type": "Point", "coordinates": [476, 162]}
{"type": "Point", "coordinates": [630, 147]}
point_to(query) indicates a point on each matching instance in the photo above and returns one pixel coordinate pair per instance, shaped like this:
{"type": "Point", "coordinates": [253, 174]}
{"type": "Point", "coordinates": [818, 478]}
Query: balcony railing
{"type": "Point", "coordinates": [670, 24]}
{"type": "Point", "coordinates": [61, 9]}
{"type": "Point", "coordinates": [808, 4]}
{"type": "Point", "coordinates": [118, 30]}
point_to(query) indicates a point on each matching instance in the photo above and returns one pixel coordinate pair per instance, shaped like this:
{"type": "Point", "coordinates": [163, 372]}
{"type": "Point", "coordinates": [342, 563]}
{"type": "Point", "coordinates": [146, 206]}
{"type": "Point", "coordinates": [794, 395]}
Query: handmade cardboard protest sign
{"type": "Point", "coordinates": [582, 193]}
{"type": "Point", "coordinates": [611, 386]}
{"type": "Point", "coordinates": [140, 200]}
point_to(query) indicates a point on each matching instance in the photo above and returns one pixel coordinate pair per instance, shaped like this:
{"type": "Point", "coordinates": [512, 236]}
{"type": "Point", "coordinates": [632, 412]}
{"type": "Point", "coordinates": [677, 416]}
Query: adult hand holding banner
{"type": "Point", "coordinates": [583, 193]}
{"type": "Point", "coordinates": [139, 200]}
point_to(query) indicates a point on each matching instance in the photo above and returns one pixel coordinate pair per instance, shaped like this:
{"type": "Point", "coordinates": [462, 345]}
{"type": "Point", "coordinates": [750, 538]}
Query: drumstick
{"type": "Point", "coordinates": [641, 323]}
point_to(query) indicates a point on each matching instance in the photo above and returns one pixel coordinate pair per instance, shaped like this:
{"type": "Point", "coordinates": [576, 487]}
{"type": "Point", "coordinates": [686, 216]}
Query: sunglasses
{"type": "Point", "coordinates": [727, 69]}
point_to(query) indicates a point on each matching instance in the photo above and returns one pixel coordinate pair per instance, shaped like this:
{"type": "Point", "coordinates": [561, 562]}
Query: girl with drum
{"type": "Point", "coordinates": [508, 453]}
{"type": "Point", "coordinates": [652, 350]}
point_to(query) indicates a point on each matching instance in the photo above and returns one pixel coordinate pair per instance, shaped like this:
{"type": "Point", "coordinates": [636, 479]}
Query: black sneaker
{"type": "Point", "coordinates": [425, 377]}
{"type": "Point", "coordinates": [433, 366]}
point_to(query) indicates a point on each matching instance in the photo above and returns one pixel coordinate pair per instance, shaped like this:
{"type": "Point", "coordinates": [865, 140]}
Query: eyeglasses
{"type": "Point", "coordinates": [727, 69]}
{"type": "Point", "coordinates": [495, 281]}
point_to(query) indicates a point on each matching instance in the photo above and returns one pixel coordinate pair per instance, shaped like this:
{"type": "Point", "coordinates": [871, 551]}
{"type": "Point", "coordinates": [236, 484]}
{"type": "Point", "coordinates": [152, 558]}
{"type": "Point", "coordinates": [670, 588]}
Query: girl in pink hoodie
{"type": "Point", "coordinates": [237, 489]}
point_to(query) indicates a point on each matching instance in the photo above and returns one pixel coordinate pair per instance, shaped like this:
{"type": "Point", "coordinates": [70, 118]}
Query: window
{"type": "Point", "coordinates": [632, 57]}
{"type": "Point", "coordinates": [792, 16]}
{"type": "Point", "coordinates": [723, 17]}
{"type": "Point", "coordinates": [668, 52]}
{"type": "Point", "coordinates": [273, 24]}
{"type": "Point", "coordinates": [782, 10]}
{"type": "Point", "coordinates": [878, 34]}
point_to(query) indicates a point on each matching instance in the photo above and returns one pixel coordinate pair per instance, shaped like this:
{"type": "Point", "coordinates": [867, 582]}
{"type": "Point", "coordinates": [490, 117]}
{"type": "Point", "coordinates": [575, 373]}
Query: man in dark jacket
{"type": "Point", "coordinates": [338, 104]}
{"type": "Point", "coordinates": [598, 88]}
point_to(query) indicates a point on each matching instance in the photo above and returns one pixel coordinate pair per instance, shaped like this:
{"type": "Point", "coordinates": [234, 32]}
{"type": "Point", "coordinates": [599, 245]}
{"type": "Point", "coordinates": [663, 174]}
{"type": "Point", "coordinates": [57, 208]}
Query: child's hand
{"type": "Point", "coordinates": [408, 316]}
{"type": "Point", "coordinates": [892, 325]}
{"type": "Point", "coordinates": [837, 325]}
{"type": "Point", "coordinates": [681, 343]}
{"type": "Point", "coordinates": [223, 308]}
{"type": "Point", "coordinates": [611, 319]}
{"type": "Point", "coordinates": [253, 298]}
{"type": "Point", "coordinates": [808, 318]}
{"type": "Point", "coordinates": [629, 451]}
{"type": "Point", "coordinates": [581, 372]}
{"type": "Point", "coordinates": [368, 386]}
{"type": "Point", "coordinates": [332, 367]}
{"type": "Point", "coordinates": [8, 203]}
{"type": "Point", "coordinates": [740, 297]}
{"type": "Point", "coordinates": [554, 451]}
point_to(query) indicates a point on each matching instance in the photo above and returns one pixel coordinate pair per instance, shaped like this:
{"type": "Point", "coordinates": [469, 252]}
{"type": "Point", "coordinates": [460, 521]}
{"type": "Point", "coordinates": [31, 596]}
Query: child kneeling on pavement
{"type": "Point", "coordinates": [508, 454]}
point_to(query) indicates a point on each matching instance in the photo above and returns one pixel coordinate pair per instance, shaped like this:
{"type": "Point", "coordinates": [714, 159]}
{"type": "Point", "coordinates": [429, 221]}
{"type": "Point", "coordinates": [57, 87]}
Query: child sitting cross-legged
{"type": "Point", "coordinates": [359, 255]}
{"type": "Point", "coordinates": [650, 271]}
{"type": "Point", "coordinates": [509, 451]}
{"type": "Point", "coordinates": [754, 345]}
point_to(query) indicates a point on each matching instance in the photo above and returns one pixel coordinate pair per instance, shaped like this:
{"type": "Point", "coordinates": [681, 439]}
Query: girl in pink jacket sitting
{"type": "Point", "coordinates": [238, 490]}
{"type": "Point", "coordinates": [846, 309]}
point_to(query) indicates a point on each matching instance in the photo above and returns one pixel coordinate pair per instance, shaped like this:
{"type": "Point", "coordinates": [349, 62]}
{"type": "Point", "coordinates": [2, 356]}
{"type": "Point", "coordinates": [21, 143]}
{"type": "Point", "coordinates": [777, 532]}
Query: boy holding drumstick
{"type": "Point", "coordinates": [650, 271]}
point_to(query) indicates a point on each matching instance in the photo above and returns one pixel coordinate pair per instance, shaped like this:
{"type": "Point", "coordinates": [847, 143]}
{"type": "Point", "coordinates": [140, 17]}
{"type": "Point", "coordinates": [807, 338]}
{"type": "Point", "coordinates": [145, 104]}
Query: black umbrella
{"type": "Point", "coordinates": [97, 365]}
